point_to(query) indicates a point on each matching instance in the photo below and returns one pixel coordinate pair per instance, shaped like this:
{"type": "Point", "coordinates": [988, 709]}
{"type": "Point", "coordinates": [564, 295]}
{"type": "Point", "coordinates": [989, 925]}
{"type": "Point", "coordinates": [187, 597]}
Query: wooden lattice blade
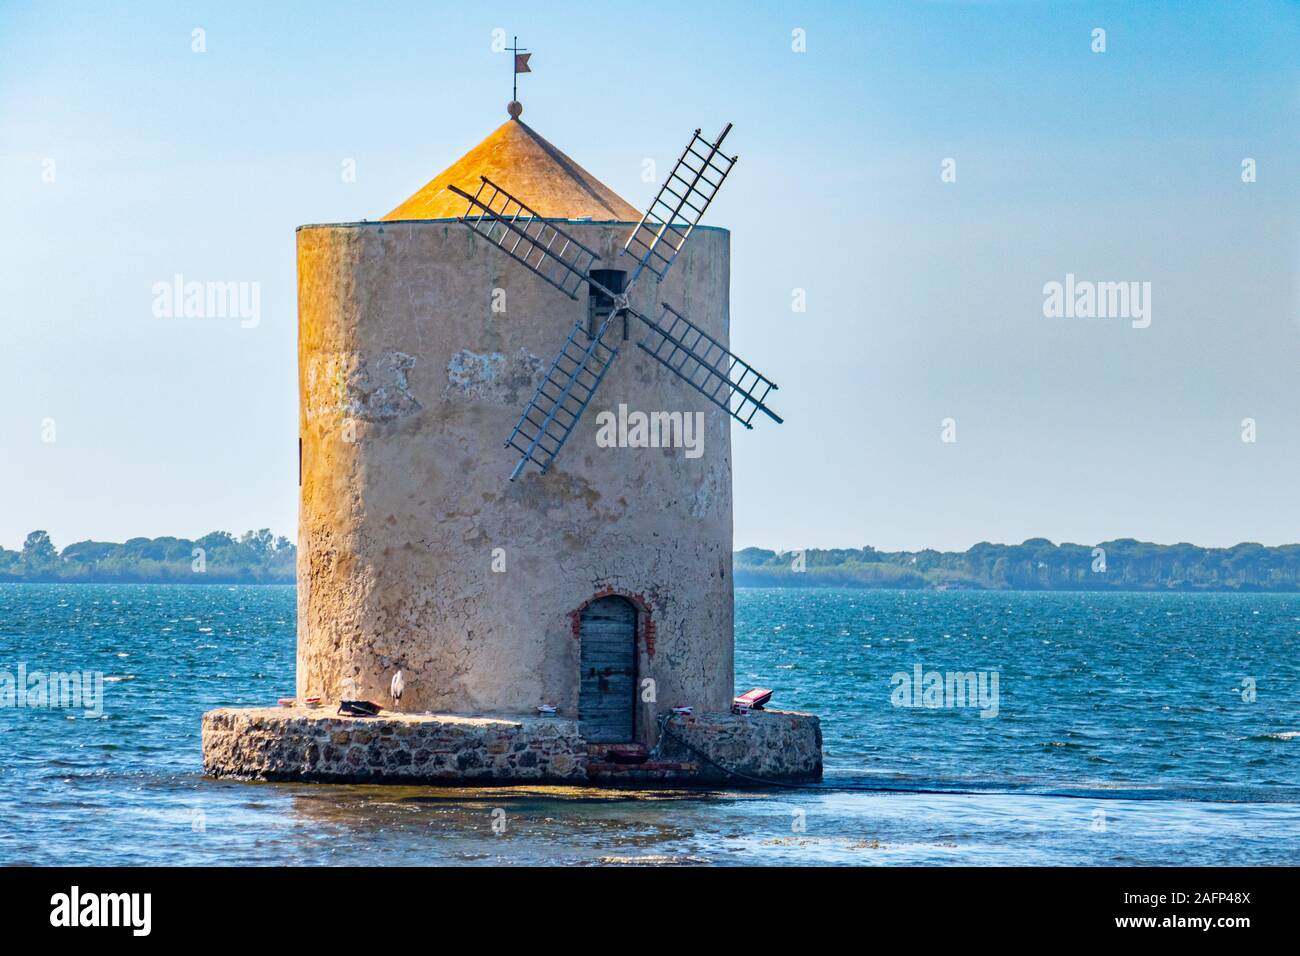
{"type": "Point", "coordinates": [701, 361]}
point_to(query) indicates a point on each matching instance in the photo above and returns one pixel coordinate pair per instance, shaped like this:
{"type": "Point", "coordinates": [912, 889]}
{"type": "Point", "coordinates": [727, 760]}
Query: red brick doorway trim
{"type": "Point", "coordinates": [645, 624]}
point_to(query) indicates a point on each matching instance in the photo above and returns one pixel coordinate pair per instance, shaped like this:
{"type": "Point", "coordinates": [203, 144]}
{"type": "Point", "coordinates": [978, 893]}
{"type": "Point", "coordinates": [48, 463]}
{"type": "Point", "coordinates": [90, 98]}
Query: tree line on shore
{"type": "Point", "coordinates": [259, 557]}
{"type": "Point", "coordinates": [256, 557]}
{"type": "Point", "coordinates": [1035, 565]}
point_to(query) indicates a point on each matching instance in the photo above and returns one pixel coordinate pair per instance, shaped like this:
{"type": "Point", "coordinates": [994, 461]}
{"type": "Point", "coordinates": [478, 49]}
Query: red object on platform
{"type": "Point", "coordinates": [753, 699]}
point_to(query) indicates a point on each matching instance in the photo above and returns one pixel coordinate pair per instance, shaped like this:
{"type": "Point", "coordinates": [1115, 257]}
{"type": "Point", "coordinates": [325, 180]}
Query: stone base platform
{"type": "Point", "coordinates": [296, 744]}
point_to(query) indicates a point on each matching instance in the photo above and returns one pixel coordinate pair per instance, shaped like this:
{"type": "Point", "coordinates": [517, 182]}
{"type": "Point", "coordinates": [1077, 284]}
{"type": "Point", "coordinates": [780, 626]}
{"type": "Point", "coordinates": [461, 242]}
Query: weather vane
{"type": "Point", "coordinates": [521, 66]}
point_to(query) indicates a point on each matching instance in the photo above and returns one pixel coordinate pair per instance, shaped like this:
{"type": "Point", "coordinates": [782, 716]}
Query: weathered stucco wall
{"type": "Point", "coordinates": [410, 383]}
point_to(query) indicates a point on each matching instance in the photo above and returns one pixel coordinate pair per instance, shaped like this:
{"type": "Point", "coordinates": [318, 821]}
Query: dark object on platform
{"type": "Point", "coordinates": [627, 755]}
{"type": "Point", "coordinates": [358, 708]}
{"type": "Point", "coordinates": [751, 700]}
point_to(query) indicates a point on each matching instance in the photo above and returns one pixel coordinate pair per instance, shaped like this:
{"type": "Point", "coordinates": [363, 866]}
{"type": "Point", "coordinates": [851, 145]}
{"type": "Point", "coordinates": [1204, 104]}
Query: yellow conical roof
{"type": "Point", "coordinates": [529, 168]}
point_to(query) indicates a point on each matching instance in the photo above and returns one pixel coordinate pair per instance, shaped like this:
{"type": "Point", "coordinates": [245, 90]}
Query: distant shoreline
{"type": "Point", "coordinates": [1035, 565]}
{"type": "Point", "coordinates": [256, 557]}
{"type": "Point", "coordinates": [1127, 565]}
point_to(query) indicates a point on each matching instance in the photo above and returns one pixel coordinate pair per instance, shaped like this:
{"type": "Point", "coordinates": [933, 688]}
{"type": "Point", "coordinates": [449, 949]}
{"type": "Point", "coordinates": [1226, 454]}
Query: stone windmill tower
{"type": "Point", "coordinates": [442, 531]}
{"type": "Point", "coordinates": [420, 343]}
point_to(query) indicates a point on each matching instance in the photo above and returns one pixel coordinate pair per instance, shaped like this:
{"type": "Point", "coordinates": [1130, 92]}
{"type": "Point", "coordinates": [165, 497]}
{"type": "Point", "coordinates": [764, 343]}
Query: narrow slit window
{"type": "Point", "coordinates": [599, 305]}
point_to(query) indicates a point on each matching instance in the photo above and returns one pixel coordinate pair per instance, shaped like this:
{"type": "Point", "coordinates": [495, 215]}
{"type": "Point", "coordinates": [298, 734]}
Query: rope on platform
{"type": "Point", "coordinates": [665, 732]}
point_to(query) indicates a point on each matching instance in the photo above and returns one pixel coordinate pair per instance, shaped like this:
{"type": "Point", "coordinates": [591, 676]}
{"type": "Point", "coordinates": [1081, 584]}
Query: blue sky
{"type": "Point", "coordinates": [924, 297]}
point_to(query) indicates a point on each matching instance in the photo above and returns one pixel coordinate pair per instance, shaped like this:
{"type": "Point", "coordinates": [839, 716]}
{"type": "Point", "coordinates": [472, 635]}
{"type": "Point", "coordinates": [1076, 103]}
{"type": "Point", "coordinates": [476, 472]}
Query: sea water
{"type": "Point", "coordinates": [1129, 729]}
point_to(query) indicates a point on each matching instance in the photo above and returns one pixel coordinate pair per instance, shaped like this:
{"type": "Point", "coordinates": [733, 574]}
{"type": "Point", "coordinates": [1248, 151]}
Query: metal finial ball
{"type": "Point", "coordinates": [514, 108]}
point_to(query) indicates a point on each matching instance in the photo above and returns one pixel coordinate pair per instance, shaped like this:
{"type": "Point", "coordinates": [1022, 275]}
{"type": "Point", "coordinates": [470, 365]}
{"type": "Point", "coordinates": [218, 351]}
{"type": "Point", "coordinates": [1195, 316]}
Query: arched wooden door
{"type": "Point", "coordinates": [606, 692]}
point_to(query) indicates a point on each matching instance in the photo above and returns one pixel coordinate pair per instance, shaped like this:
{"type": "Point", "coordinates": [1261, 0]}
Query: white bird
{"type": "Point", "coordinates": [397, 687]}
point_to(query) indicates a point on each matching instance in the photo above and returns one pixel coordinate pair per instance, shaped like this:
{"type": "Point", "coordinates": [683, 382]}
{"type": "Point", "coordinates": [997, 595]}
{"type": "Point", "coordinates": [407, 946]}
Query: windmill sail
{"type": "Point", "coordinates": [525, 236]}
{"type": "Point", "coordinates": [673, 340]}
{"type": "Point", "coordinates": [679, 205]}
{"type": "Point", "coordinates": [562, 397]}
{"type": "Point", "coordinates": [707, 366]}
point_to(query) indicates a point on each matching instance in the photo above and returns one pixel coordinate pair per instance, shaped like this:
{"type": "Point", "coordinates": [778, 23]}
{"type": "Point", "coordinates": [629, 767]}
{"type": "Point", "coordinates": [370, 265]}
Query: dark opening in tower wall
{"type": "Point", "coordinates": [599, 305]}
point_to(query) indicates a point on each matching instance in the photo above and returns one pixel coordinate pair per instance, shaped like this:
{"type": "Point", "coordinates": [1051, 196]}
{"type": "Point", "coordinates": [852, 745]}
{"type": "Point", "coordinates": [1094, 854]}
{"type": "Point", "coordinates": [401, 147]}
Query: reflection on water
{"type": "Point", "coordinates": [189, 820]}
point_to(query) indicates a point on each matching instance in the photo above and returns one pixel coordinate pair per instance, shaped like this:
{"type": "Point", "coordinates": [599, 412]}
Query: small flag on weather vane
{"type": "Point", "coordinates": [521, 66]}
